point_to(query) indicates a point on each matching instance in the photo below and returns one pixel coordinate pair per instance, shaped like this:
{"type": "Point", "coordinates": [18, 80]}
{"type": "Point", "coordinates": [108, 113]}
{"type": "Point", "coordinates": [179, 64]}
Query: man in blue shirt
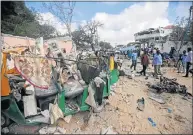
{"type": "Point", "coordinates": [157, 62]}
{"type": "Point", "coordinates": [134, 60]}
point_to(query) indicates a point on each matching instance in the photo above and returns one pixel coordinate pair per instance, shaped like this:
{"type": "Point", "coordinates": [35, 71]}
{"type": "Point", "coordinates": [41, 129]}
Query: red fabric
{"type": "Point", "coordinates": [145, 60]}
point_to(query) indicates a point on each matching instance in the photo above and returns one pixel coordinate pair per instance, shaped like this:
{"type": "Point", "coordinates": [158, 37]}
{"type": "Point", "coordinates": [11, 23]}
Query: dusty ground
{"type": "Point", "coordinates": [121, 112]}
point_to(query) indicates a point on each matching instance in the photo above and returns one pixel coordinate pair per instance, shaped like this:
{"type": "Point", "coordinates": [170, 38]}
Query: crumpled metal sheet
{"type": "Point", "coordinates": [98, 81]}
{"type": "Point", "coordinates": [30, 105]}
{"type": "Point", "coordinates": [90, 99]}
{"type": "Point", "coordinates": [55, 113]}
{"type": "Point", "coordinates": [39, 119]}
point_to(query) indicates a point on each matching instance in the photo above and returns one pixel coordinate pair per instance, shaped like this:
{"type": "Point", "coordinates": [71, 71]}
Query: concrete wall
{"type": "Point", "coordinates": [167, 46]}
{"type": "Point", "coordinates": [14, 41]}
{"type": "Point", "coordinates": [67, 45]}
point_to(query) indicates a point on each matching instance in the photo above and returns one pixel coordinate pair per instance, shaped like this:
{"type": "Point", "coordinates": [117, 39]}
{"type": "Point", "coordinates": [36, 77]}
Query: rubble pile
{"type": "Point", "coordinates": [169, 86]}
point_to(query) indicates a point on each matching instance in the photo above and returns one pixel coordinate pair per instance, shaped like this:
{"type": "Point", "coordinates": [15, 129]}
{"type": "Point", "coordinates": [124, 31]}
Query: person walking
{"type": "Point", "coordinates": [144, 62]}
{"type": "Point", "coordinates": [188, 61]}
{"type": "Point", "coordinates": [157, 62]}
{"type": "Point", "coordinates": [184, 61]}
{"type": "Point", "coordinates": [134, 59]}
{"type": "Point", "coordinates": [154, 51]}
{"type": "Point", "coordinates": [179, 63]}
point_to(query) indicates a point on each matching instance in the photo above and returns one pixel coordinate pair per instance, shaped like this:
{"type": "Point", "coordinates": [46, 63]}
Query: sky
{"type": "Point", "coordinates": [121, 20]}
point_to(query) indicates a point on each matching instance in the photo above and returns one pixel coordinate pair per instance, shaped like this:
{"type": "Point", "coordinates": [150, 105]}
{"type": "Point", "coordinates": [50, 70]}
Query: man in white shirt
{"type": "Point", "coordinates": [188, 61]}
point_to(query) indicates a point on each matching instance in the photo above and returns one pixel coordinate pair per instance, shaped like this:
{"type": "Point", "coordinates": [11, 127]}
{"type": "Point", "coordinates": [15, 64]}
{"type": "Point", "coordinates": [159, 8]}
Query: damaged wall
{"type": "Point", "coordinates": [18, 41]}
{"type": "Point", "coordinates": [63, 43]}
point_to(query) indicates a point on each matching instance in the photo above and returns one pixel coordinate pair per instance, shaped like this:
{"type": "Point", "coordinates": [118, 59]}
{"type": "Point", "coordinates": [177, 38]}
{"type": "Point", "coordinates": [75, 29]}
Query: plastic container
{"type": "Point", "coordinates": [152, 122]}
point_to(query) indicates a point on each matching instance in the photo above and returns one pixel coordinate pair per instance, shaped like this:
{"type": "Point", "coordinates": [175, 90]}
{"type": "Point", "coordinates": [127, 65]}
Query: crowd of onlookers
{"type": "Point", "coordinates": [183, 63]}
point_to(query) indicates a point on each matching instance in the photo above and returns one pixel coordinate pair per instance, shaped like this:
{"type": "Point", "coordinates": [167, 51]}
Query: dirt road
{"type": "Point", "coordinates": [122, 114]}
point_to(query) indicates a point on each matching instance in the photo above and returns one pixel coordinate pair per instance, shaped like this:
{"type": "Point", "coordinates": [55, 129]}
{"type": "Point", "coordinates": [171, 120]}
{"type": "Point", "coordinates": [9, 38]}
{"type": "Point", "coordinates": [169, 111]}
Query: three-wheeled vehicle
{"type": "Point", "coordinates": [17, 99]}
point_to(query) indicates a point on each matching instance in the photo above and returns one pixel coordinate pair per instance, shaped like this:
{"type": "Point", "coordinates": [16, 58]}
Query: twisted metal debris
{"type": "Point", "coordinates": [169, 86]}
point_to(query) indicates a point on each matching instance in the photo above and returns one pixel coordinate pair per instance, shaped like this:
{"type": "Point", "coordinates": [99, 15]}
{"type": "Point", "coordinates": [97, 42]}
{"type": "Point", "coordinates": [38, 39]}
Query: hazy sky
{"type": "Point", "coordinates": [121, 19]}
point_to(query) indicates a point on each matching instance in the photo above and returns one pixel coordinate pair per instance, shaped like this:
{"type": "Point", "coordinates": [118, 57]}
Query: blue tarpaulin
{"type": "Point", "coordinates": [128, 48]}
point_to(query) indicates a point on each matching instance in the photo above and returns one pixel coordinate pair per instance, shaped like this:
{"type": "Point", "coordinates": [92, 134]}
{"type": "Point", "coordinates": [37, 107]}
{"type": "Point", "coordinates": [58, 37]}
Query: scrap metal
{"type": "Point", "coordinates": [169, 85]}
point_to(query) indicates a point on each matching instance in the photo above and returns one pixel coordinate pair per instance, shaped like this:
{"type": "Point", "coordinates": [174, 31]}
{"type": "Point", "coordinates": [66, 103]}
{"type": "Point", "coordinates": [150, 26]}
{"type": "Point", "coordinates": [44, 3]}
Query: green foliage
{"type": "Point", "coordinates": [81, 39]}
{"type": "Point", "coordinates": [18, 20]}
{"type": "Point", "coordinates": [105, 45]}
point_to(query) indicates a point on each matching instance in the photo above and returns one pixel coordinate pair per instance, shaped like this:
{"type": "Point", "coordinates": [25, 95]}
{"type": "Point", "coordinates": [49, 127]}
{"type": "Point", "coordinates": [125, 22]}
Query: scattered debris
{"type": "Point", "coordinates": [90, 99]}
{"type": "Point", "coordinates": [169, 85]}
{"type": "Point", "coordinates": [55, 113]}
{"type": "Point", "coordinates": [68, 118]}
{"type": "Point", "coordinates": [88, 120]}
{"type": "Point", "coordinates": [112, 93]}
{"type": "Point", "coordinates": [131, 76]}
{"type": "Point", "coordinates": [52, 130]}
{"type": "Point", "coordinates": [179, 118]}
{"type": "Point", "coordinates": [169, 110]}
{"type": "Point", "coordinates": [98, 81]}
{"type": "Point", "coordinates": [57, 133]}
{"type": "Point", "coordinates": [45, 113]}
{"type": "Point", "coordinates": [5, 130]}
{"type": "Point", "coordinates": [152, 122]}
{"type": "Point", "coordinates": [39, 118]}
{"type": "Point", "coordinates": [30, 101]}
{"type": "Point", "coordinates": [61, 130]}
{"type": "Point", "coordinates": [156, 97]}
{"type": "Point", "coordinates": [99, 108]}
{"type": "Point", "coordinates": [121, 73]}
{"type": "Point", "coordinates": [108, 130]}
{"type": "Point", "coordinates": [15, 128]}
{"type": "Point", "coordinates": [141, 104]}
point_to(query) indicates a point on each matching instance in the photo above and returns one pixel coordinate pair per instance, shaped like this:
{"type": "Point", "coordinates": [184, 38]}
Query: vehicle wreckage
{"type": "Point", "coordinates": [37, 82]}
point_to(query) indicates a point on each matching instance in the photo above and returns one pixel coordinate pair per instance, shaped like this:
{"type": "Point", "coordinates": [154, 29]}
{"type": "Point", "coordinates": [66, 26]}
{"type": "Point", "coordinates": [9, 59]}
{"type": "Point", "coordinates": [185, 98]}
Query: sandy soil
{"type": "Point", "coordinates": [122, 114]}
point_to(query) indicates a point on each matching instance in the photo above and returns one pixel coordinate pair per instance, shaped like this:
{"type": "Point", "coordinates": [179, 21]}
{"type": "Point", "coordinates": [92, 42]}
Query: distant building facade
{"type": "Point", "coordinates": [158, 38]}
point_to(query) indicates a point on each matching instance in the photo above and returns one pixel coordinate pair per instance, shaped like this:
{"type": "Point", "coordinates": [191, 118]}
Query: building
{"type": "Point", "coordinates": [64, 43]}
{"type": "Point", "coordinates": [10, 41]}
{"type": "Point", "coordinates": [158, 38]}
{"type": "Point", "coordinates": [153, 35]}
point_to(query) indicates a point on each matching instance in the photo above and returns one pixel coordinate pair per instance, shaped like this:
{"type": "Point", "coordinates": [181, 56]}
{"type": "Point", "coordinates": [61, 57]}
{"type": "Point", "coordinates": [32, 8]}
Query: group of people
{"type": "Point", "coordinates": [185, 61]}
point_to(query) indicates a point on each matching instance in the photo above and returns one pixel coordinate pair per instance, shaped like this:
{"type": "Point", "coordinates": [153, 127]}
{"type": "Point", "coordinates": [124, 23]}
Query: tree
{"type": "Point", "coordinates": [18, 20]}
{"type": "Point", "coordinates": [105, 45]}
{"type": "Point", "coordinates": [86, 35]}
{"type": "Point", "coordinates": [179, 34]}
{"type": "Point", "coordinates": [64, 11]}
{"type": "Point", "coordinates": [14, 14]}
